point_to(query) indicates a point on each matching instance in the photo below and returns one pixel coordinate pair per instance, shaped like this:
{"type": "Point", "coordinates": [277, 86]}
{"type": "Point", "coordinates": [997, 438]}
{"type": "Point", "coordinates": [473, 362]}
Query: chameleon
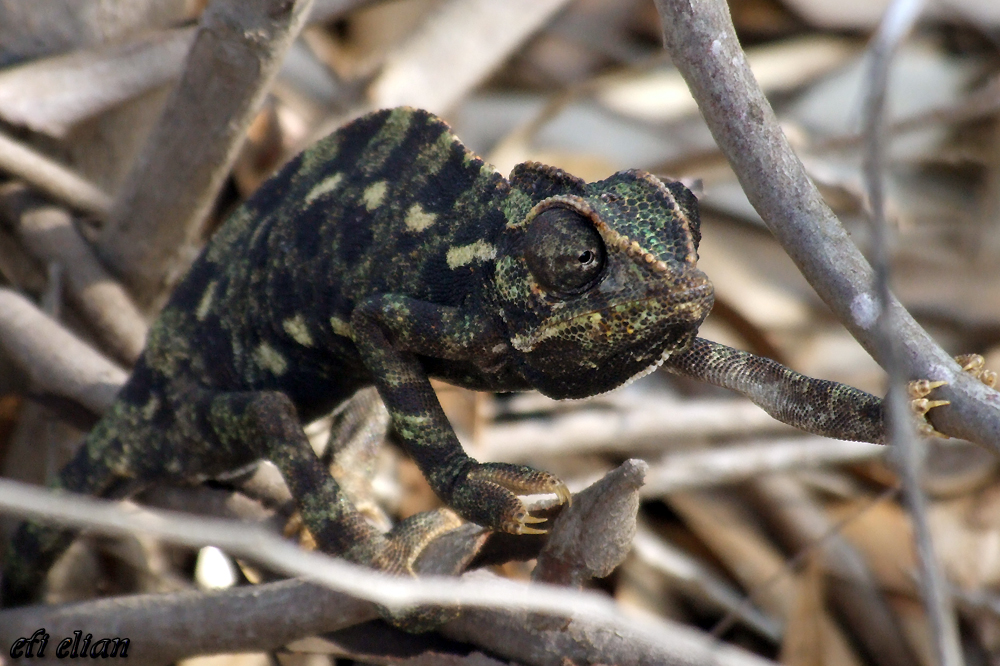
{"type": "Point", "coordinates": [387, 254]}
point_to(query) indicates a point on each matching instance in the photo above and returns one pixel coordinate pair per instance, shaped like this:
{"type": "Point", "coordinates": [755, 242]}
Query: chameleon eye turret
{"type": "Point", "coordinates": [564, 251]}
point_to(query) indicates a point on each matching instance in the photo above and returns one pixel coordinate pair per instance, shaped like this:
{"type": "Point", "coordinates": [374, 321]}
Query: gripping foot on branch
{"type": "Point", "coordinates": [919, 389]}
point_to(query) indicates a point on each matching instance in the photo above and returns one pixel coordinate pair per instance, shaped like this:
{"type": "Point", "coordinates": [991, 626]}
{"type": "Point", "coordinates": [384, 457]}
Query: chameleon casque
{"type": "Point", "coordinates": [388, 253]}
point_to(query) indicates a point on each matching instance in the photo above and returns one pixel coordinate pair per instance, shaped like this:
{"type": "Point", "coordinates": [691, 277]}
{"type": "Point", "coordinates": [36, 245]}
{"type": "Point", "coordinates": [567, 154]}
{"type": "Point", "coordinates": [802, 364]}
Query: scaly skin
{"type": "Point", "coordinates": [386, 254]}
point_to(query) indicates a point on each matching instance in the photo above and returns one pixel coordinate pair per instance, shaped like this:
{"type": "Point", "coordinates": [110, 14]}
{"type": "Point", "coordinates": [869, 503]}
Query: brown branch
{"type": "Point", "coordinates": [853, 590]}
{"type": "Point", "coordinates": [49, 234]}
{"type": "Point", "coordinates": [52, 178]}
{"type": "Point", "coordinates": [55, 359]}
{"type": "Point", "coordinates": [160, 212]}
{"type": "Point", "coordinates": [702, 42]}
{"type": "Point", "coordinates": [163, 628]}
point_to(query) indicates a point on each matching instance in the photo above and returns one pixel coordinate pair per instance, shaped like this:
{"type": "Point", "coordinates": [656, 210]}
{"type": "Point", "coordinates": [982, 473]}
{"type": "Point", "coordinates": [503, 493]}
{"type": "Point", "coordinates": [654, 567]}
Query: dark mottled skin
{"type": "Point", "coordinates": [386, 254]}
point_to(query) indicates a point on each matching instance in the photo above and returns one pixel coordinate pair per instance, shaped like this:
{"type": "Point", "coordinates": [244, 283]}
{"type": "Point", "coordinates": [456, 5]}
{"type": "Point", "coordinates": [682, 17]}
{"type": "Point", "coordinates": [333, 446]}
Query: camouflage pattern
{"type": "Point", "coordinates": [386, 254]}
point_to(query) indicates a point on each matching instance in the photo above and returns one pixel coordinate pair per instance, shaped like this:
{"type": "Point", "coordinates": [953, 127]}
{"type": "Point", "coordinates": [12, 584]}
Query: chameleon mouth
{"type": "Point", "coordinates": [655, 365]}
{"type": "Point", "coordinates": [692, 306]}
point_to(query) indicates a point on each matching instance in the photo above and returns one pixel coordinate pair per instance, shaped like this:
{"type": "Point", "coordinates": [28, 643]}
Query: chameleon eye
{"type": "Point", "coordinates": [563, 250]}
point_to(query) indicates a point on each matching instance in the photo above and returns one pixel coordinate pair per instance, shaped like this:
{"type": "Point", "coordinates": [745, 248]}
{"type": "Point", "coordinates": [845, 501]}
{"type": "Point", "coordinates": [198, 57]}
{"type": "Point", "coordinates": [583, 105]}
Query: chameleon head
{"type": "Point", "coordinates": [600, 285]}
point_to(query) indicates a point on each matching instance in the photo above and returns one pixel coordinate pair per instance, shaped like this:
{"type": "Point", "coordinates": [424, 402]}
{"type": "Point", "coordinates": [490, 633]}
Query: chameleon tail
{"type": "Point", "coordinates": [36, 547]}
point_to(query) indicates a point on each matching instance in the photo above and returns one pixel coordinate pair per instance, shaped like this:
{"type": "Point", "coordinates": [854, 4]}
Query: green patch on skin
{"type": "Point", "coordinates": [149, 410]}
{"type": "Point", "coordinates": [299, 330]}
{"type": "Point", "coordinates": [325, 186]}
{"type": "Point", "coordinates": [270, 359]}
{"type": "Point", "coordinates": [341, 327]}
{"type": "Point", "coordinates": [205, 304]}
{"type": "Point", "coordinates": [417, 219]}
{"type": "Point", "coordinates": [466, 254]}
{"type": "Point", "coordinates": [374, 194]}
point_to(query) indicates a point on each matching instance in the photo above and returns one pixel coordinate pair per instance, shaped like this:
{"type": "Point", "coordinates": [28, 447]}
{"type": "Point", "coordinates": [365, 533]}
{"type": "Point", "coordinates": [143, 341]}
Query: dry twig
{"type": "Point", "coordinates": [49, 234]}
{"type": "Point", "coordinates": [159, 214]}
{"type": "Point", "coordinates": [899, 19]}
{"type": "Point", "coordinates": [56, 360]}
{"type": "Point", "coordinates": [52, 178]}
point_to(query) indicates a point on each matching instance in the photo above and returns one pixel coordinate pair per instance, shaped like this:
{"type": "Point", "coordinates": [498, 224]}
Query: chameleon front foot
{"type": "Point", "coordinates": [919, 389]}
{"type": "Point", "coordinates": [488, 496]}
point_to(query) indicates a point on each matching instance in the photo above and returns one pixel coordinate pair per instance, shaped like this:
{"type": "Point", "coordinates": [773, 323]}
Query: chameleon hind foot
{"type": "Point", "coordinates": [488, 496]}
{"type": "Point", "coordinates": [397, 553]}
{"type": "Point", "coordinates": [400, 548]}
{"type": "Point", "coordinates": [919, 389]}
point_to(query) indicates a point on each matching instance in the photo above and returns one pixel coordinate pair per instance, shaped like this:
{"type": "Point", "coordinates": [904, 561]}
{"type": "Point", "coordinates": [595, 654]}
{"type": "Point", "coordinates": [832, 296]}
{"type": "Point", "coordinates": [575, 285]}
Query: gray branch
{"type": "Point", "coordinates": [159, 214]}
{"type": "Point", "coordinates": [700, 37]}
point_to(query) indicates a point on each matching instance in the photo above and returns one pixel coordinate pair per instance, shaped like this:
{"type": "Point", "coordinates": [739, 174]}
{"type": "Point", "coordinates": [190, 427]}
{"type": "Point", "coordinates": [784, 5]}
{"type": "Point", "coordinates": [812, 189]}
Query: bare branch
{"type": "Point", "coordinates": [589, 613]}
{"type": "Point", "coordinates": [55, 359]}
{"type": "Point", "coordinates": [712, 467]}
{"type": "Point", "coordinates": [52, 178]}
{"type": "Point", "coordinates": [644, 424]}
{"type": "Point", "coordinates": [53, 94]}
{"type": "Point", "coordinates": [163, 628]}
{"type": "Point", "coordinates": [519, 636]}
{"type": "Point", "coordinates": [49, 234]}
{"type": "Point", "coordinates": [702, 42]}
{"type": "Point", "coordinates": [160, 211]}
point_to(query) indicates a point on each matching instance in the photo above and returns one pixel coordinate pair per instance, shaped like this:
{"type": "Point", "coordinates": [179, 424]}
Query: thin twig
{"type": "Point", "coordinates": [55, 359]}
{"type": "Point", "coordinates": [702, 42]}
{"type": "Point", "coordinates": [52, 178]}
{"type": "Point", "coordinates": [696, 579]}
{"type": "Point", "coordinates": [49, 234]}
{"type": "Point", "coordinates": [854, 590]}
{"type": "Point", "coordinates": [645, 425]}
{"type": "Point", "coordinates": [897, 22]}
{"type": "Point", "coordinates": [685, 470]}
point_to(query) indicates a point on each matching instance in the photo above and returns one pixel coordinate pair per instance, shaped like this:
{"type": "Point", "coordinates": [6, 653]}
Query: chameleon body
{"type": "Point", "coordinates": [388, 253]}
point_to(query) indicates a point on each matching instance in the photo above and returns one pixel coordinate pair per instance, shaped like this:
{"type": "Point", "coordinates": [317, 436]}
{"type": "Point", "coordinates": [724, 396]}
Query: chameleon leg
{"type": "Point", "coordinates": [267, 423]}
{"type": "Point", "coordinates": [389, 332]}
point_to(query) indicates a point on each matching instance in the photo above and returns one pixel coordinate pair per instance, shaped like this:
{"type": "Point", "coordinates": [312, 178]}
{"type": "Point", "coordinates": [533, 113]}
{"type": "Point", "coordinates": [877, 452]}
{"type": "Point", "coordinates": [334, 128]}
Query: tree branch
{"type": "Point", "coordinates": [159, 213]}
{"type": "Point", "coordinates": [702, 42]}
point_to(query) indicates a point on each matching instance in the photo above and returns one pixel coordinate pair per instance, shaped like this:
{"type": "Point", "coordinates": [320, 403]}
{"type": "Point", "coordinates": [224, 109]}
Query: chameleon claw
{"type": "Point", "coordinates": [921, 406]}
{"type": "Point", "coordinates": [989, 378]}
{"type": "Point", "coordinates": [975, 365]}
{"type": "Point", "coordinates": [564, 495]}
{"type": "Point", "coordinates": [531, 530]}
{"type": "Point", "coordinates": [927, 430]}
{"type": "Point", "coordinates": [920, 388]}
{"type": "Point", "coordinates": [918, 391]}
